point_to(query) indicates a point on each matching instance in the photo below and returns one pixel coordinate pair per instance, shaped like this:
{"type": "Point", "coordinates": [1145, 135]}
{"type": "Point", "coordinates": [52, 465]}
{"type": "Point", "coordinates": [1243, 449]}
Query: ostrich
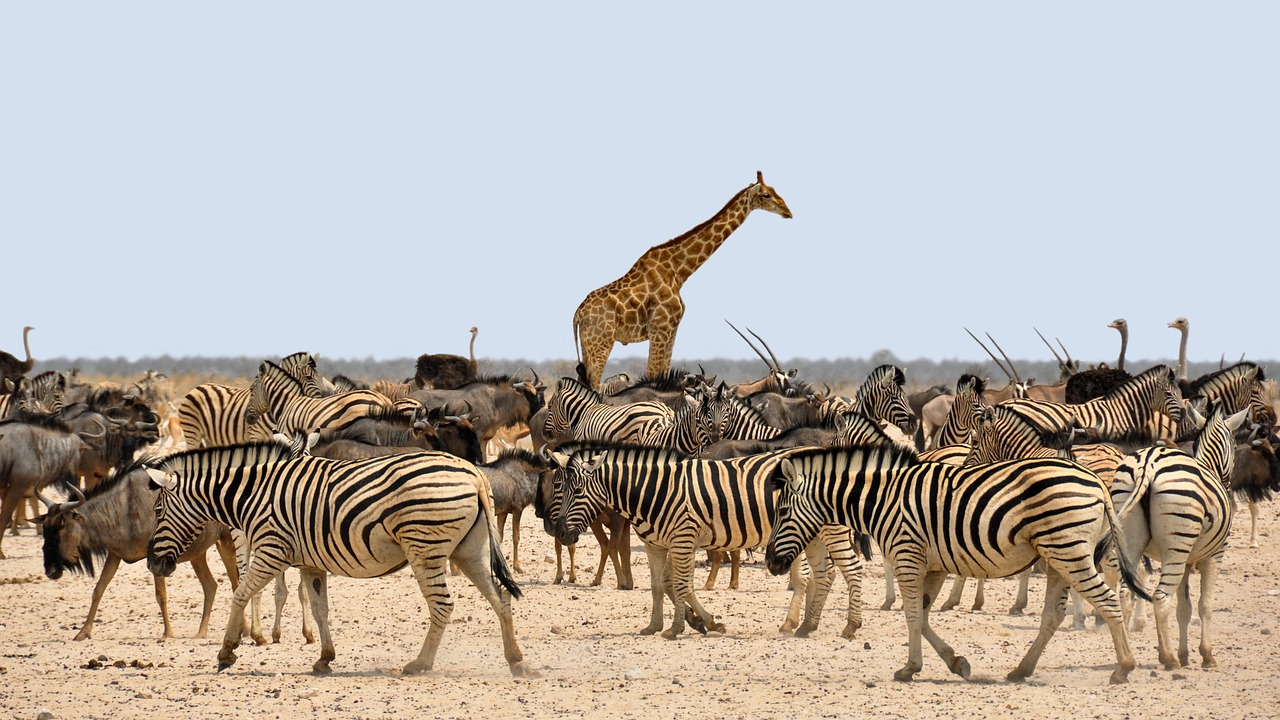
{"type": "Point", "coordinates": [1096, 382]}
{"type": "Point", "coordinates": [475, 367]}
{"type": "Point", "coordinates": [1121, 325]}
{"type": "Point", "coordinates": [1181, 326]}
{"type": "Point", "coordinates": [11, 368]}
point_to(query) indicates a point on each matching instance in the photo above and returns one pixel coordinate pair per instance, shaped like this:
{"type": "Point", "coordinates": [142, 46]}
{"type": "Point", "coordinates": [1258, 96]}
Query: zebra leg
{"type": "Point", "coordinates": [621, 542]}
{"type": "Point", "coordinates": [281, 596]}
{"type": "Point", "coordinates": [255, 605]}
{"type": "Point", "coordinates": [1169, 593]}
{"type": "Point", "coordinates": [908, 571]}
{"type": "Point", "coordinates": [162, 599]}
{"type": "Point", "coordinates": [657, 566]}
{"type": "Point", "coordinates": [108, 571]}
{"type": "Point", "coordinates": [957, 589]}
{"type": "Point", "coordinates": [980, 595]}
{"type": "Point", "coordinates": [477, 555]}
{"type": "Point", "coordinates": [1055, 608]}
{"type": "Point", "coordinates": [304, 602]}
{"type": "Point", "coordinates": [735, 565]}
{"type": "Point", "coordinates": [889, 594]}
{"type": "Point", "coordinates": [606, 550]}
{"type": "Point", "coordinates": [679, 573]}
{"type": "Point", "coordinates": [318, 580]}
{"type": "Point", "coordinates": [1020, 602]}
{"type": "Point", "coordinates": [798, 581]}
{"type": "Point", "coordinates": [1184, 618]}
{"type": "Point", "coordinates": [1077, 610]}
{"type": "Point", "coordinates": [714, 559]}
{"type": "Point", "coordinates": [814, 589]}
{"type": "Point", "coordinates": [1253, 524]}
{"type": "Point", "coordinates": [209, 587]}
{"type": "Point", "coordinates": [845, 558]}
{"type": "Point", "coordinates": [262, 570]}
{"type": "Point", "coordinates": [955, 663]}
{"type": "Point", "coordinates": [429, 571]}
{"type": "Point", "coordinates": [1208, 579]}
{"type": "Point", "coordinates": [1088, 582]}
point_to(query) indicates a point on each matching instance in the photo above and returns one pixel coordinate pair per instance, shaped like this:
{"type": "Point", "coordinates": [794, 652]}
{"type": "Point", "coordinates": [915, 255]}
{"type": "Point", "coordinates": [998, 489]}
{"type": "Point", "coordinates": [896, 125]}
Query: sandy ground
{"type": "Point", "coordinates": [584, 641]}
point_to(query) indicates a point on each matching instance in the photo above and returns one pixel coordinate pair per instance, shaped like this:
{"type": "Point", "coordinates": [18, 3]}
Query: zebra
{"type": "Point", "coordinates": [695, 426]}
{"type": "Point", "coordinates": [1235, 387]}
{"type": "Point", "coordinates": [1120, 413]}
{"type": "Point", "coordinates": [881, 396]}
{"type": "Point", "coordinates": [358, 519]}
{"type": "Point", "coordinates": [278, 403]}
{"type": "Point", "coordinates": [933, 519]}
{"type": "Point", "coordinates": [213, 414]}
{"type": "Point", "coordinates": [678, 504]}
{"type": "Point", "coordinates": [576, 412]}
{"type": "Point", "coordinates": [1176, 508]}
{"type": "Point", "coordinates": [302, 367]}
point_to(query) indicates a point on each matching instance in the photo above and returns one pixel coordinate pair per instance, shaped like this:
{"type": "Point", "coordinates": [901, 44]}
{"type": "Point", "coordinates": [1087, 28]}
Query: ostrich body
{"type": "Point", "coordinates": [11, 368]}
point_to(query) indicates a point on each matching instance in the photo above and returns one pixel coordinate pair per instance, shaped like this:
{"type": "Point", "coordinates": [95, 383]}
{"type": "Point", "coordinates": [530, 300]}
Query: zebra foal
{"type": "Point", "coordinates": [361, 519]}
{"type": "Point", "coordinates": [932, 519]}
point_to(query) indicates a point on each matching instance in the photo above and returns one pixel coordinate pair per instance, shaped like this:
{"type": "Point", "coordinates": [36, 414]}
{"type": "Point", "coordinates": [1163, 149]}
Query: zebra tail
{"type": "Point", "coordinates": [1115, 540]}
{"type": "Point", "coordinates": [497, 563]}
{"type": "Point", "coordinates": [864, 545]}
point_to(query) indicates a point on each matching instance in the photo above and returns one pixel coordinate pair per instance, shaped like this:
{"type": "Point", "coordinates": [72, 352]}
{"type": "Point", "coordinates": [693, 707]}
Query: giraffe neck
{"type": "Point", "coordinates": [677, 259]}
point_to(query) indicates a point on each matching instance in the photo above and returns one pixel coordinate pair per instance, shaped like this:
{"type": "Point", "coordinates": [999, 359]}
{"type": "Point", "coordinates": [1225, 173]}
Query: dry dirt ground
{"type": "Point", "coordinates": [584, 641]}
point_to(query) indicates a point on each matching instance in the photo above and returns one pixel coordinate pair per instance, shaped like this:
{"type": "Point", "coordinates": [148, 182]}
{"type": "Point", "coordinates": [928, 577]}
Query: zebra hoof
{"type": "Point", "coordinates": [960, 666]}
{"type": "Point", "coordinates": [1120, 676]}
{"type": "Point", "coordinates": [669, 635]}
{"type": "Point", "coordinates": [310, 638]}
{"type": "Point", "coordinates": [418, 668]}
{"type": "Point", "coordinates": [321, 668]}
{"type": "Point", "coordinates": [887, 606]}
{"type": "Point", "coordinates": [850, 631]}
{"type": "Point", "coordinates": [715, 627]}
{"type": "Point", "coordinates": [1016, 675]}
{"type": "Point", "coordinates": [649, 630]}
{"type": "Point", "coordinates": [906, 674]}
{"type": "Point", "coordinates": [805, 630]}
{"type": "Point", "coordinates": [521, 669]}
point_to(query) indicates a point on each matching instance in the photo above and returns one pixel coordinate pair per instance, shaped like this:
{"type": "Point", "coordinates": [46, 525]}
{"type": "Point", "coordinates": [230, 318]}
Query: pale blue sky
{"type": "Point", "coordinates": [372, 179]}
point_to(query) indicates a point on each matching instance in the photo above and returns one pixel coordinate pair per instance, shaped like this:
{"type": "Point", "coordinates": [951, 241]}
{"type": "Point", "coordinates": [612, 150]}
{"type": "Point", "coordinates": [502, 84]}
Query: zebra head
{"type": "Point", "coordinates": [798, 519]}
{"type": "Point", "coordinates": [578, 506]}
{"type": "Point", "coordinates": [564, 406]}
{"type": "Point", "coordinates": [881, 397]}
{"type": "Point", "coordinates": [1215, 448]}
{"type": "Point", "coordinates": [175, 529]}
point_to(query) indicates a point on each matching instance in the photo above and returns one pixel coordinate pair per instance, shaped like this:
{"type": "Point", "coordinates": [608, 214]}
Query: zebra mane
{"type": "Point", "coordinates": [649, 453]}
{"type": "Point", "coordinates": [121, 471]}
{"type": "Point", "coordinates": [672, 379]}
{"type": "Point", "coordinates": [516, 454]}
{"type": "Point", "coordinates": [571, 385]}
{"type": "Point", "coordinates": [268, 368]}
{"type": "Point", "coordinates": [1053, 438]}
{"type": "Point", "coordinates": [1150, 375]}
{"type": "Point", "coordinates": [880, 456]}
{"type": "Point", "coordinates": [1223, 376]}
{"type": "Point", "coordinates": [229, 456]}
{"type": "Point", "coordinates": [979, 385]}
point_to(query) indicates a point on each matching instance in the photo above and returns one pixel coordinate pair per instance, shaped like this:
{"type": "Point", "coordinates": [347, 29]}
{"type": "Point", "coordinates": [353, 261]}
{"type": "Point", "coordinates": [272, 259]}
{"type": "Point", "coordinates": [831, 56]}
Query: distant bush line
{"type": "Point", "coordinates": [841, 373]}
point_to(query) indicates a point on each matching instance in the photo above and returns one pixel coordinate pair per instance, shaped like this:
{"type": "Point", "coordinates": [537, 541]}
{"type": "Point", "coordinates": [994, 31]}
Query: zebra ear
{"type": "Point", "coordinates": [787, 476]}
{"type": "Point", "coordinates": [161, 480]}
{"type": "Point", "coordinates": [1235, 422]}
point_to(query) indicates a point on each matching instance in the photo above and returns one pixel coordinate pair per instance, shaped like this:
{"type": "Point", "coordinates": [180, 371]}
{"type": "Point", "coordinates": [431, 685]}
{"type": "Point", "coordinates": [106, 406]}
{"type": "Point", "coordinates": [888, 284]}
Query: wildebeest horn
{"type": "Point", "coordinates": [47, 502]}
{"type": "Point", "coordinates": [101, 434]}
{"type": "Point", "coordinates": [74, 489]}
{"type": "Point", "coordinates": [753, 347]}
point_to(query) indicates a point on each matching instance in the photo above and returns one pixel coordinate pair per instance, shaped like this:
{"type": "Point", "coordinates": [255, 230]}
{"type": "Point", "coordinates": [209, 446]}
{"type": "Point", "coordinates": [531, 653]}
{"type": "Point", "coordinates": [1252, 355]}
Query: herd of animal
{"type": "Point", "coordinates": [333, 475]}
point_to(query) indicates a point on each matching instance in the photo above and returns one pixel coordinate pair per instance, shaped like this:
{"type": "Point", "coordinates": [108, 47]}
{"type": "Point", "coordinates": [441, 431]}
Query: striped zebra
{"type": "Point", "coordinates": [958, 427]}
{"type": "Point", "coordinates": [932, 519]}
{"type": "Point", "coordinates": [358, 519]}
{"type": "Point", "coordinates": [881, 396]}
{"type": "Point", "coordinates": [302, 367]}
{"type": "Point", "coordinates": [1176, 508]}
{"type": "Point", "coordinates": [213, 415]}
{"type": "Point", "coordinates": [1119, 414]}
{"type": "Point", "coordinates": [1235, 388]}
{"type": "Point", "coordinates": [695, 426]}
{"type": "Point", "coordinates": [576, 412]}
{"type": "Point", "coordinates": [678, 504]}
{"type": "Point", "coordinates": [278, 404]}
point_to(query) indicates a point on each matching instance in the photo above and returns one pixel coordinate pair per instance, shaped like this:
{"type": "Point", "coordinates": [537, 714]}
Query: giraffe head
{"type": "Point", "coordinates": [764, 197]}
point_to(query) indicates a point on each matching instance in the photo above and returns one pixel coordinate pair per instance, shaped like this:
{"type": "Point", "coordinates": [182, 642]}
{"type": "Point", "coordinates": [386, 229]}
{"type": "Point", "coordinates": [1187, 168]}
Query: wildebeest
{"type": "Point", "coordinates": [37, 451]}
{"type": "Point", "coordinates": [514, 476]}
{"type": "Point", "coordinates": [493, 403]}
{"type": "Point", "coordinates": [115, 521]}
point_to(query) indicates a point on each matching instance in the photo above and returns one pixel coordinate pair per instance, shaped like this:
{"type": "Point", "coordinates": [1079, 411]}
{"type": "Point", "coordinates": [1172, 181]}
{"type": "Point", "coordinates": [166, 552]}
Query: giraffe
{"type": "Point", "coordinates": [644, 304]}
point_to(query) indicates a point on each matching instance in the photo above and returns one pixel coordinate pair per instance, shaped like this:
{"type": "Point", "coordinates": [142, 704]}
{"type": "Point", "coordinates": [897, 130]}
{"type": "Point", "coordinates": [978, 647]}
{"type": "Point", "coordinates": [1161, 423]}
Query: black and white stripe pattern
{"type": "Point", "coordinates": [677, 505]}
{"type": "Point", "coordinates": [576, 412]}
{"type": "Point", "coordinates": [1120, 414]}
{"type": "Point", "coordinates": [1176, 508]}
{"type": "Point", "coordinates": [354, 518]}
{"type": "Point", "coordinates": [932, 519]}
{"type": "Point", "coordinates": [278, 404]}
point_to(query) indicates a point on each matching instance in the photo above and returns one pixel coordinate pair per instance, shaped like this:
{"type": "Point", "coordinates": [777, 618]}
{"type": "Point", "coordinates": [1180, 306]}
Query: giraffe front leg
{"type": "Point", "coordinates": [664, 320]}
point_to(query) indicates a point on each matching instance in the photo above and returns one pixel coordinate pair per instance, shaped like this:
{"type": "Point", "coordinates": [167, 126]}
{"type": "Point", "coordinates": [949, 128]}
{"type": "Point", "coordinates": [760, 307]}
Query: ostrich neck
{"type": "Point", "coordinates": [1124, 344]}
{"type": "Point", "coordinates": [1182, 357]}
{"type": "Point", "coordinates": [26, 346]}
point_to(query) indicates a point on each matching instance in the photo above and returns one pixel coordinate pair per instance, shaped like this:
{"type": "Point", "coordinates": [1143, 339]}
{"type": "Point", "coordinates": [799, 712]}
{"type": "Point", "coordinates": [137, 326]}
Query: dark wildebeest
{"type": "Point", "coordinates": [115, 520]}
{"type": "Point", "coordinates": [514, 476]}
{"type": "Point", "coordinates": [37, 451]}
{"type": "Point", "coordinates": [1256, 477]}
{"type": "Point", "coordinates": [493, 403]}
